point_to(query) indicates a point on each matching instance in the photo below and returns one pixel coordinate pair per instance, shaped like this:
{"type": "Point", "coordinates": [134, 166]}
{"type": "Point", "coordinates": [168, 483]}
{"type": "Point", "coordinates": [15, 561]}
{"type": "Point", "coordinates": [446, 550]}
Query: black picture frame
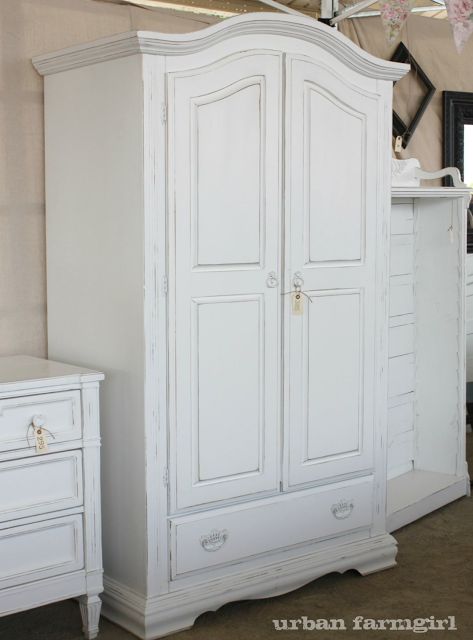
{"type": "Point", "coordinates": [457, 111]}
{"type": "Point", "coordinates": [400, 128]}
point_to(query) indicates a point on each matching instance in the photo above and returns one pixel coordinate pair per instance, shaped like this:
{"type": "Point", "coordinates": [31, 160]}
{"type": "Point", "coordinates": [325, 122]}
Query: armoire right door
{"type": "Point", "coordinates": [331, 200]}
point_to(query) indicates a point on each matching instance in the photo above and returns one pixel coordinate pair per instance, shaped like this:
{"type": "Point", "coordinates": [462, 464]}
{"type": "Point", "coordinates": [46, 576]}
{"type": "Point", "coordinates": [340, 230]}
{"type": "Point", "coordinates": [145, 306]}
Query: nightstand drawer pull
{"type": "Point", "coordinates": [40, 433]}
{"type": "Point", "coordinates": [38, 421]}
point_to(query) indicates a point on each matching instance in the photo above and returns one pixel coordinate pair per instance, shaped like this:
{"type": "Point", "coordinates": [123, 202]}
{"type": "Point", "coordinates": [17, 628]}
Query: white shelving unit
{"type": "Point", "coordinates": [426, 420]}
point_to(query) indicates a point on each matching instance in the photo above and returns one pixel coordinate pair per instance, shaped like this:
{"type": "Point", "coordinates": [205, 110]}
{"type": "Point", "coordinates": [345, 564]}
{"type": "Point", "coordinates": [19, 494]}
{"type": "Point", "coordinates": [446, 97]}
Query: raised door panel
{"type": "Point", "coordinates": [225, 138]}
{"type": "Point", "coordinates": [331, 204]}
{"type": "Point", "coordinates": [229, 339]}
{"type": "Point", "coordinates": [332, 181]}
{"type": "Point", "coordinates": [226, 176]}
{"type": "Point", "coordinates": [327, 338]}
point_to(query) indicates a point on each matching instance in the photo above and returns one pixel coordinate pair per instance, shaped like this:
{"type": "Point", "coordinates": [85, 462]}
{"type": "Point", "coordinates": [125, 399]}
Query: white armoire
{"type": "Point", "coordinates": [196, 185]}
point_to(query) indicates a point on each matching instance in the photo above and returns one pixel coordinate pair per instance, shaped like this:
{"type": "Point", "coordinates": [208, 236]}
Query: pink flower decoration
{"type": "Point", "coordinates": [393, 16]}
{"type": "Point", "coordinates": [460, 15]}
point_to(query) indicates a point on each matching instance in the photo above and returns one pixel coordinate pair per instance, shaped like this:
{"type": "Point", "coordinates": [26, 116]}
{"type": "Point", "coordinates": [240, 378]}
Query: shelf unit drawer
{"type": "Point", "coordinates": [61, 411]}
{"type": "Point", "coordinates": [41, 550]}
{"type": "Point", "coordinates": [201, 541]}
{"type": "Point", "coordinates": [43, 484]}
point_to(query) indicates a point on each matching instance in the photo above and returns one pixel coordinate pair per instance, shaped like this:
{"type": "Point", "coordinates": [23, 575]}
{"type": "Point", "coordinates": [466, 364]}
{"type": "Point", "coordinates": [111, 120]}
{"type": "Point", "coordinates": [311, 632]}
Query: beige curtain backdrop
{"type": "Point", "coordinates": [32, 27]}
{"type": "Point", "coordinates": [430, 42]}
{"type": "Point", "coordinates": [28, 28]}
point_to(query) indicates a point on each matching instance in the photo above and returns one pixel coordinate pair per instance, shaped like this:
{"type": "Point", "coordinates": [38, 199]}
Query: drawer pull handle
{"type": "Point", "coordinates": [214, 540]}
{"type": "Point", "coordinates": [39, 433]}
{"type": "Point", "coordinates": [342, 509]}
{"type": "Point", "coordinates": [38, 421]}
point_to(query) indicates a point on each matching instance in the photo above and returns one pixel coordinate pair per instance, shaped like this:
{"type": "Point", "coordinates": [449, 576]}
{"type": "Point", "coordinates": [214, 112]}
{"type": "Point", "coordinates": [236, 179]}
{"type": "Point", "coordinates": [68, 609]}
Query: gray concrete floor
{"type": "Point", "coordinates": [434, 577]}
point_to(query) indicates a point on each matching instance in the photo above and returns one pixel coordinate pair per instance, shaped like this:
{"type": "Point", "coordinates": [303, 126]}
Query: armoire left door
{"type": "Point", "coordinates": [225, 141]}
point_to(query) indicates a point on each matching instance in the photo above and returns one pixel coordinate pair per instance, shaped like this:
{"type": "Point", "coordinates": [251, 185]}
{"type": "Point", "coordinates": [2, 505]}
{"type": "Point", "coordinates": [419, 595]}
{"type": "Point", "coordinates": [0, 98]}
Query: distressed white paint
{"type": "Point", "coordinates": [225, 135]}
{"type": "Point", "coordinates": [331, 242]}
{"type": "Point", "coordinates": [180, 300]}
{"type": "Point", "coordinates": [50, 537]}
{"type": "Point", "coordinates": [426, 420]}
{"type": "Point", "coordinates": [469, 317]}
{"type": "Point", "coordinates": [62, 411]}
{"type": "Point", "coordinates": [41, 484]}
{"type": "Point", "coordinates": [331, 339]}
{"type": "Point", "coordinates": [309, 515]}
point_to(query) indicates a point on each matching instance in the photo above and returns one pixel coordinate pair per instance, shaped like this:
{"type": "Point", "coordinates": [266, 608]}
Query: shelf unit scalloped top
{"type": "Point", "coordinates": [155, 43]}
{"type": "Point", "coordinates": [432, 192]}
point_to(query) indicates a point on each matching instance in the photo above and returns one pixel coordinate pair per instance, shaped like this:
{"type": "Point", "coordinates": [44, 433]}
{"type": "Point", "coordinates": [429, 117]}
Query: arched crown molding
{"type": "Point", "coordinates": [156, 43]}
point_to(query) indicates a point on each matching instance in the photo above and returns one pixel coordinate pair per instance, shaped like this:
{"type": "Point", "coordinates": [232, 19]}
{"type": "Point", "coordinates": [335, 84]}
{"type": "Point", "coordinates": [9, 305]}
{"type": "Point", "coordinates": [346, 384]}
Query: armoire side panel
{"type": "Point", "coordinates": [224, 142]}
{"type": "Point", "coordinates": [401, 367]}
{"type": "Point", "coordinates": [440, 361]}
{"type": "Point", "coordinates": [94, 193]}
{"type": "Point", "coordinates": [469, 317]}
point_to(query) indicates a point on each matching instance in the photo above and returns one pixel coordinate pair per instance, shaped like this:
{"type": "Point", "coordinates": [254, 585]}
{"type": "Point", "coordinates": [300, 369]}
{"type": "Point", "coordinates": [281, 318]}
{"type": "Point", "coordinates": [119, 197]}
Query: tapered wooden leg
{"type": "Point", "coordinates": [90, 610]}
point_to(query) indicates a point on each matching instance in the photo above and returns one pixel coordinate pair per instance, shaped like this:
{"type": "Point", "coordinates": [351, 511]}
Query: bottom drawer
{"type": "Point", "coordinates": [41, 550]}
{"type": "Point", "coordinates": [230, 534]}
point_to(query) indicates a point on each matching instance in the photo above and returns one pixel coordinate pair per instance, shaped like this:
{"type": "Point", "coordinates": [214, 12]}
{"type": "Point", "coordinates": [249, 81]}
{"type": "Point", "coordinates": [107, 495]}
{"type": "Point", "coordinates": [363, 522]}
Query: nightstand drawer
{"type": "Point", "coordinates": [41, 550]}
{"type": "Point", "coordinates": [33, 486]}
{"type": "Point", "coordinates": [61, 412]}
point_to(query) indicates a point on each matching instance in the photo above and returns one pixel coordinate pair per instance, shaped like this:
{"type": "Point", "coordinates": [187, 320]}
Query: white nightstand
{"type": "Point", "coordinates": [50, 533]}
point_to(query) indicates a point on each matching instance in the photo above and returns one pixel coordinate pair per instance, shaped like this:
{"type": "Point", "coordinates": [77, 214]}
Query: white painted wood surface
{"type": "Point", "coordinates": [238, 532]}
{"type": "Point", "coordinates": [42, 484]}
{"type": "Point", "coordinates": [62, 409]}
{"type": "Point", "coordinates": [426, 424]}
{"type": "Point", "coordinates": [331, 380]}
{"type": "Point", "coordinates": [176, 192]}
{"type": "Point", "coordinates": [225, 136]}
{"type": "Point", "coordinates": [417, 493]}
{"type": "Point", "coordinates": [50, 533]}
{"type": "Point", "coordinates": [469, 317]}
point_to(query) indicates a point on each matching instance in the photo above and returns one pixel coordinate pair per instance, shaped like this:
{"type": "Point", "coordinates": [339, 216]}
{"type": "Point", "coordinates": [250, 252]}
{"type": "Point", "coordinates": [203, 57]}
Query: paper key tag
{"type": "Point", "coordinates": [40, 440]}
{"type": "Point", "coordinates": [297, 303]}
{"type": "Point", "coordinates": [398, 145]}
